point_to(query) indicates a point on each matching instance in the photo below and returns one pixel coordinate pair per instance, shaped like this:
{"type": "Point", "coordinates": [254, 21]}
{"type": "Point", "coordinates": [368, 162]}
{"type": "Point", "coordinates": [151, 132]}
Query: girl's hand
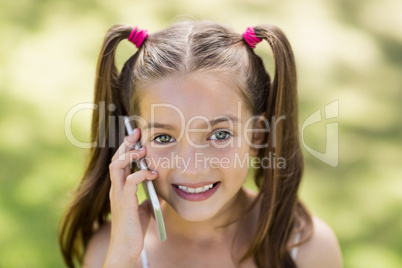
{"type": "Point", "coordinates": [129, 219]}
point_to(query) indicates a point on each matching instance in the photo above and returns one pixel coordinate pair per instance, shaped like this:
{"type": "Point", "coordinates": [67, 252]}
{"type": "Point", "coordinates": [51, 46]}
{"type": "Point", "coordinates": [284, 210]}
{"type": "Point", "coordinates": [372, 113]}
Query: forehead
{"type": "Point", "coordinates": [198, 94]}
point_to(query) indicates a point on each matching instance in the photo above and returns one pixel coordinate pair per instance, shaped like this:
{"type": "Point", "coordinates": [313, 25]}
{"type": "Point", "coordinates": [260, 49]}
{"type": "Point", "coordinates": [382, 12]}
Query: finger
{"type": "Point", "coordinates": [131, 186]}
{"type": "Point", "coordinates": [127, 158]}
{"type": "Point", "coordinates": [119, 169]}
{"type": "Point", "coordinates": [128, 143]}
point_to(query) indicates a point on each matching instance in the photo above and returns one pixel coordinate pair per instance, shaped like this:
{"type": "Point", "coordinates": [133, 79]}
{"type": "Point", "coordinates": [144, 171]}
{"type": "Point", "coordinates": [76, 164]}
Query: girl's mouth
{"type": "Point", "coordinates": [196, 194]}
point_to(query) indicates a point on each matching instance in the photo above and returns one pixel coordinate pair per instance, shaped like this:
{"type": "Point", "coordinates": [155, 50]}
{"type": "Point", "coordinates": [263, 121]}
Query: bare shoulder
{"type": "Point", "coordinates": [96, 250]}
{"type": "Point", "coordinates": [322, 250]}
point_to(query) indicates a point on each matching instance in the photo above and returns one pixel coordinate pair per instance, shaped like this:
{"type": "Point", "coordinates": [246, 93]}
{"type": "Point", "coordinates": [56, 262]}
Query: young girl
{"type": "Point", "coordinates": [207, 115]}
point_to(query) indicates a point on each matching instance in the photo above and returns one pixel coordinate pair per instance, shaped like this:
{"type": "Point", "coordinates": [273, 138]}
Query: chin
{"type": "Point", "coordinates": [193, 214]}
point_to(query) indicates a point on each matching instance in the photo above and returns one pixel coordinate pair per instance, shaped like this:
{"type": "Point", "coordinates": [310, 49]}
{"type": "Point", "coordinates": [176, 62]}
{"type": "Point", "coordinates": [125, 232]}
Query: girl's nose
{"type": "Point", "coordinates": [194, 162]}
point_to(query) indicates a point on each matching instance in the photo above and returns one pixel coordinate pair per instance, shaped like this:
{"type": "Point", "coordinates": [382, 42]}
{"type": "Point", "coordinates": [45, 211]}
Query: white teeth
{"type": "Point", "coordinates": [207, 187]}
{"type": "Point", "coordinates": [191, 190]}
{"type": "Point", "coordinates": [195, 190]}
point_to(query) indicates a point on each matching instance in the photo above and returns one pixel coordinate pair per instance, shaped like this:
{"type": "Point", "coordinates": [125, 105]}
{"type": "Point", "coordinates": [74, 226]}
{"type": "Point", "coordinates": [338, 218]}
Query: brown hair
{"type": "Point", "coordinates": [183, 48]}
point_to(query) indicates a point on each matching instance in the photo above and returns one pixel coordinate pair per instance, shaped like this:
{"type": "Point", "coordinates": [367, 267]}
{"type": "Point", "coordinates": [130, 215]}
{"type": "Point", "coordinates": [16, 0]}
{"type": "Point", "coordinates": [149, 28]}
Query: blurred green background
{"type": "Point", "coordinates": [346, 51]}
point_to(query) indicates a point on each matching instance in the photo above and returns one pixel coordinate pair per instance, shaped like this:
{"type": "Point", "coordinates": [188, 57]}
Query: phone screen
{"type": "Point", "coordinates": [149, 188]}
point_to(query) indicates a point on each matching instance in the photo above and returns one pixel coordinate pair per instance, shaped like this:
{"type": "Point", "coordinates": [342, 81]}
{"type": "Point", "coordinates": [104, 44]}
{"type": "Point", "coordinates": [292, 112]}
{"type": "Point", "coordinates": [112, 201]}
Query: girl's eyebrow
{"type": "Point", "coordinates": [159, 125]}
{"type": "Point", "coordinates": [225, 118]}
{"type": "Point", "coordinates": [219, 119]}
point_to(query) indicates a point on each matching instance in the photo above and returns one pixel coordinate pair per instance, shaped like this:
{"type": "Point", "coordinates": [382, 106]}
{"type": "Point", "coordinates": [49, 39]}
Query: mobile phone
{"type": "Point", "coordinates": [149, 188]}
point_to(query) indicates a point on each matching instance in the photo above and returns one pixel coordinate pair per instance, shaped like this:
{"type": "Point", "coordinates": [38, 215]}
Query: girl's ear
{"type": "Point", "coordinates": [259, 132]}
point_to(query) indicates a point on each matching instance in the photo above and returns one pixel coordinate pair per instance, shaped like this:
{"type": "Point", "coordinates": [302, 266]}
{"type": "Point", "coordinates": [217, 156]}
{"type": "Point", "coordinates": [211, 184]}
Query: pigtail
{"type": "Point", "coordinates": [91, 205]}
{"type": "Point", "coordinates": [281, 211]}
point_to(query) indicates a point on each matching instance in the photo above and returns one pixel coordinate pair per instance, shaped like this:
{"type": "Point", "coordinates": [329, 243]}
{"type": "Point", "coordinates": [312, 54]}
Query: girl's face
{"type": "Point", "coordinates": [196, 139]}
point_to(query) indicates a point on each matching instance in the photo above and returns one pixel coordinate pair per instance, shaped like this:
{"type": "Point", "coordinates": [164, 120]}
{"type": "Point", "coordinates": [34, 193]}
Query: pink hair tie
{"type": "Point", "coordinates": [138, 37]}
{"type": "Point", "coordinates": [250, 37]}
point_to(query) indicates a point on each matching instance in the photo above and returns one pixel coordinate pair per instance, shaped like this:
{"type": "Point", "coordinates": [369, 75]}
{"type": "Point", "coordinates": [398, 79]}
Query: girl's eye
{"type": "Point", "coordinates": [220, 135]}
{"type": "Point", "coordinates": [164, 139]}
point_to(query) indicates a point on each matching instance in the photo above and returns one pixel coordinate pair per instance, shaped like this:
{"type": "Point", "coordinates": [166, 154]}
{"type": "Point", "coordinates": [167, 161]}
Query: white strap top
{"type": "Point", "coordinates": [293, 252]}
{"type": "Point", "coordinates": [144, 259]}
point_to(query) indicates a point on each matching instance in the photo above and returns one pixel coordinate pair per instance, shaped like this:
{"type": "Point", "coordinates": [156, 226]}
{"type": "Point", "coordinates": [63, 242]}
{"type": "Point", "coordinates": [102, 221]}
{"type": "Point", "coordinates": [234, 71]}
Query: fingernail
{"type": "Point", "coordinates": [153, 171]}
{"type": "Point", "coordinates": [141, 149]}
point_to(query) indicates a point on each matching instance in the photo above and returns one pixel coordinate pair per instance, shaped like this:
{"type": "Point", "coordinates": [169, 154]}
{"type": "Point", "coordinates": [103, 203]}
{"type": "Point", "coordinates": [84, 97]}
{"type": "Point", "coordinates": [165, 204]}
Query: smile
{"type": "Point", "coordinates": [196, 193]}
{"type": "Point", "coordinates": [195, 190]}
